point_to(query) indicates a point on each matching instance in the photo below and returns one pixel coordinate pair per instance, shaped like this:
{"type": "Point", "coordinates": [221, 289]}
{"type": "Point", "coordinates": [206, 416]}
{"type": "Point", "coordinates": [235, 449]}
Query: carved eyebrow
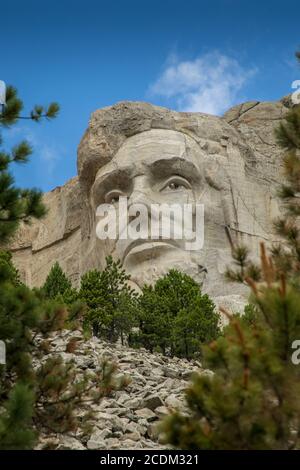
{"type": "Point", "coordinates": [119, 177]}
{"type": "Point", "coordinates": [112, 170]}
{"type": "Point", "coordinates": [176, 165]}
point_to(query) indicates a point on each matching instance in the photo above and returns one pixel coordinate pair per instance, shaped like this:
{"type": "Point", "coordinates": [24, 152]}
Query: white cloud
{"type": "Point", "coordinates": [50, 157]}
{"type": "Point", "coordinates": [48, 154]}
{"type": "Point", "coordinates": [208, 84]}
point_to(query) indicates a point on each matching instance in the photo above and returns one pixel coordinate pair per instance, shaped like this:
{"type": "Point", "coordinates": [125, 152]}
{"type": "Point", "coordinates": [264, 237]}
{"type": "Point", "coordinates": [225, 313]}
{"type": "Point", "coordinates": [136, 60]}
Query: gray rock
{"type": "Point", "coordinates": [172, 401]}
{"type": "Point", "coordinates": [70, 443]}
{"type": "Point", "coordinates": [161, 411]}
{"type": "Point", "coordinates": [158, 371]}
{"type": "Point", "coordinates": [187, 374]}
{"type": "Point", "coordinates": [133, 436]}
{"type": "Point", "coordinates": [145, 413]}
{"type": "Point", "coordinates": [171, 373]}
{"type": "Point", "coordinates": [152, 402]}
{"type": "Point", "coordinates": [134, 404]}
{"type": "Point", "coordinates": [153, 431]}
{"type": "Point", "coordinates": [135, 428]}
{"type": "Point", "coordinates": [96, 440]}
{"type": "Point", "coordinates": [130, 444]}
{"type": "Point", "coordinates": [112, 443]}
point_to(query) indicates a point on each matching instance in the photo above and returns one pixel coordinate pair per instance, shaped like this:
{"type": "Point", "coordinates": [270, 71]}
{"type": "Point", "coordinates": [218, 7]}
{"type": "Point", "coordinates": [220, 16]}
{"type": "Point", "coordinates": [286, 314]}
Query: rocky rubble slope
{"type": "Point", "coordinates": [127, 419]}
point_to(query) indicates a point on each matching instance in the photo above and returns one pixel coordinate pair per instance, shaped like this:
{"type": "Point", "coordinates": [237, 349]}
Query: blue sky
{"type": "Point", "coordinates": [188, 55]}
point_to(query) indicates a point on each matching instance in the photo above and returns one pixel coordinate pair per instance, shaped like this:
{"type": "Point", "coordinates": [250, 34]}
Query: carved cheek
{"type": "Point", "coordinates": [215, 174]}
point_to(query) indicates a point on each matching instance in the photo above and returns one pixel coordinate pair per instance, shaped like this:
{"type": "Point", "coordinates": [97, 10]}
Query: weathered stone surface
{"type": "Point", "coordinates": [154, 432]}
{"type": "Point", "coordinates": [236, 175]}
{"type": "Point", "coordinates": [172, 401]}
{"type": "Point", "coordinates": [162, 411]}
{"type": "Point", "coordinates": [70, 443]}
{"type": "Point", "coordinates": [96, 440]}
{"type": "Point", "coordinates": [145, 413]}
{"type": "Point", "coordinates": [55, 238]}
{"type": "Point", "coordinates": [152, 402]}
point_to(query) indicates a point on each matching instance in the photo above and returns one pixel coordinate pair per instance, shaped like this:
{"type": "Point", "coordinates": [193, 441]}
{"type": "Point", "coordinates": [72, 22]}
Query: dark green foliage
{"type": "Point", "coordinates": [8, 272]}
{"type": "Point", "coordinates": [20, 310]}
{"type": "Point", "coordinates": [21, 313]}
{"type": "Point", "coordinates": [174, 317]}
{"type": "Point", "coordinates": [111, 302]}
{"type": "Point", "coordinates": [245, 268]}
{"type": "Point", "coordinates": [154, 323]}
{"type": "Point", "coordinates": [14, 106]}
{"type": "Point", "coordinates": [56, 283]}
{"type": "Point", "coordinates": [16, 430]}
{"type": "Point", "coordinates": [251, 313]}
{"type": "Point", "coordinates": [18, 204]}
{"type": "Point", "coordinates": [287, 256]}
{"type": "Point", "coordinates": [193, 326]}
{"type": "Point", "coordinates": [288, 133]}
{"type": "Point", "coordinates": [58, 286]}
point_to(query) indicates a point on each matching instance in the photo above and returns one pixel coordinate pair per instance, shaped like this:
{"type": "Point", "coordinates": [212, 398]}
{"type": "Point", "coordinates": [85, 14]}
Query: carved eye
{"type": "Point", "coordinates": [113, 197]}
{"type": "Point", "coordinates": [175, 186]}
{"type": "Point", "coordinates": [176, 183]}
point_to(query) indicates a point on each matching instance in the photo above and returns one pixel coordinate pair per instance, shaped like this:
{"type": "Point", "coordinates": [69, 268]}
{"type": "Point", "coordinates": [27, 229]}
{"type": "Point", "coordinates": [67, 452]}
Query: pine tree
{"type": "Point", "coordinates": [58, 286]}
{"type": "Point", "coordinates": [7, 269]}
{"type": "Point", "coordinates": [243, 265]}
{"type": "Point", "coordinates": [56, 283]}
{"type": "Point", "coordinates": [16, 430]}
{"type": "Point", "coordinates": [252, 398]}
{"type": "Point", "coordinates": [19, 311]}
{"type": "Point", "coordinates": [17, 204]}
{"type": "Point", "coordinates": [287, 256]}
{"type": "Point", "coordinates": [174, 317]}
{"type": "Point", "coordinates": [110, 301]}
{"type": "Point", "coordinates": [194, 326]}
{"type": "Point", "coordinates": [153, 321]}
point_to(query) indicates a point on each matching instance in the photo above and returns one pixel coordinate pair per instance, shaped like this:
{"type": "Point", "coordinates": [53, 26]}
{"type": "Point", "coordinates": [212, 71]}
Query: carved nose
{"type": "Point", "coordinates": [139, 190]}
{"type": "Point", "coordinates": [137, 197]}
{"type": "Point", "coordinates": [140, 195]}
{"type": "Point", "coordinates": [132, 217]}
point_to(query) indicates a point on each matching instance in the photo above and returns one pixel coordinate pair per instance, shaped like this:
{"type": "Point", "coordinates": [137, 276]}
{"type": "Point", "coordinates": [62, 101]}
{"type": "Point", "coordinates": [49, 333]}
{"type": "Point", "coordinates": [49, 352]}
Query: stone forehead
{"type": "Point", "coordinates": [175, 141]}
{"type": "Point", "coordinates": [110, 127]}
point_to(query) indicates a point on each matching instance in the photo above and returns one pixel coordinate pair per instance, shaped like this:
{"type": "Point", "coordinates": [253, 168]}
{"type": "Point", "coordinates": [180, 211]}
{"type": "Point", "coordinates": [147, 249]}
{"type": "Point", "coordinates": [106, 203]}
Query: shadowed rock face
{"type": "Point", "coordinates": [153, 155]}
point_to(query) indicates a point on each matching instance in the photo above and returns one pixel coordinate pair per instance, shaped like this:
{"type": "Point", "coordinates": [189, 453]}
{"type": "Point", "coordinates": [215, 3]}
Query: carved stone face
{"type": "Point", "coordinates": [155, 167]}
{"type": "Point", "coordinates": [153, 154]}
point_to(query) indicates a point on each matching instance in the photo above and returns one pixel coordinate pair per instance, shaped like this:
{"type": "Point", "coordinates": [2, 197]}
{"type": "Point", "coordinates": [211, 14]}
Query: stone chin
{"type": "Point", "coordinates": [148, 261]}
